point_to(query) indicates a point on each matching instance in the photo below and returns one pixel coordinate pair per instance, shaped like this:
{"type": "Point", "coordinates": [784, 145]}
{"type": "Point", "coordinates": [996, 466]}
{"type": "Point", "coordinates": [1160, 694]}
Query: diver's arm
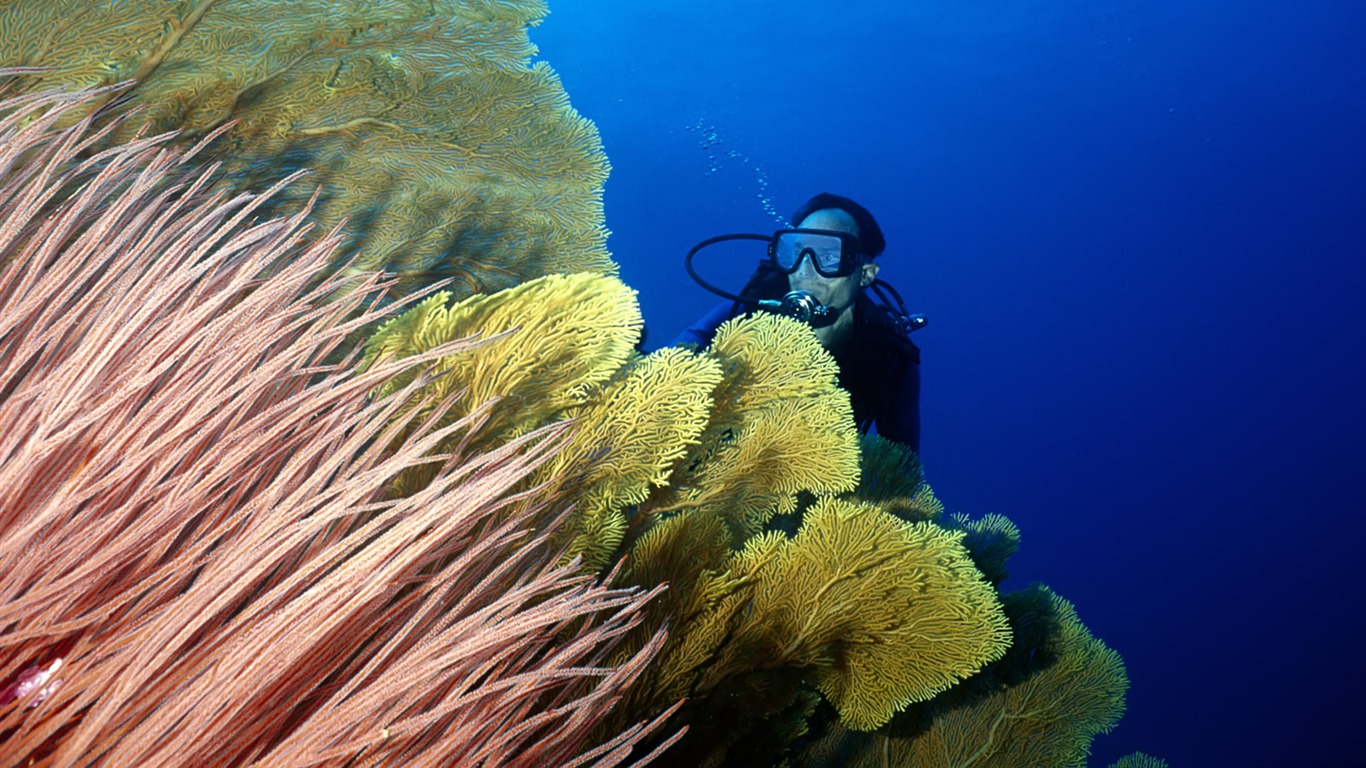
{"type": "Point", "coordinates": [700, 333]}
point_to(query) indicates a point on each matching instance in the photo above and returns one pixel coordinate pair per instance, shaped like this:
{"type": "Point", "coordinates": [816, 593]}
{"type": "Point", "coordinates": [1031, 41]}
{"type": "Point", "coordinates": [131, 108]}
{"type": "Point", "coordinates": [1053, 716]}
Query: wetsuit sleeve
{"type": "Point", "coordinates": [702, 331]}
{"type": "Point", "coordinates": [900, 419]}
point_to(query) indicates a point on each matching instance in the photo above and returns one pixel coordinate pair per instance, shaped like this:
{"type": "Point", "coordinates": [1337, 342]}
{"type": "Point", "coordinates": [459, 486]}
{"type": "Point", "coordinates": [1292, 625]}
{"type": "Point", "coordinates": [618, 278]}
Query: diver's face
{"type": "Point", "coordinates": [831, 291]}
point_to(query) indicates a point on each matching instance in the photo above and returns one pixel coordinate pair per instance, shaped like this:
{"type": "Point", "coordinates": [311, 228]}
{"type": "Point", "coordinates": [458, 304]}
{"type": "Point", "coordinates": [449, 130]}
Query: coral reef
{"type": "Point", "coordinates": [445, 152]}
{"type": "Point", "coordinates": [201, 565]}
{"type": "Point", "coordinates": [336, 564]}
{"type": "Point", "coordinates": [873, 610]}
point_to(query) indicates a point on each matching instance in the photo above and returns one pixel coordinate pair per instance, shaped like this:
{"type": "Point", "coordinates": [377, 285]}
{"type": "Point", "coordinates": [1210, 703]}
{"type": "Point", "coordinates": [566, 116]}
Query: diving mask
{"type": "Point", "coordinates": [832, 253]}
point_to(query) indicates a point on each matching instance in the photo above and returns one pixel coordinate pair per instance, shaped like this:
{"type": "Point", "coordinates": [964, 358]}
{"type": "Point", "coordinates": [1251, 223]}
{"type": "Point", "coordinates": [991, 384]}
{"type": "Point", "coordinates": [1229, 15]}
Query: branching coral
{"type": "Point", "coordinates": [887, 612]}
{"type": "Point", "coordinates": [191, 508]}
{"type": "Point", "coordinates": [446, 154]}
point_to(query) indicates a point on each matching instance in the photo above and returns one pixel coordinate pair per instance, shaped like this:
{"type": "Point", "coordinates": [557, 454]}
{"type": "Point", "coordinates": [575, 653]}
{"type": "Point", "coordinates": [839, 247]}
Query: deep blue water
{"type": "Point", "coordinates": [1139, 232]}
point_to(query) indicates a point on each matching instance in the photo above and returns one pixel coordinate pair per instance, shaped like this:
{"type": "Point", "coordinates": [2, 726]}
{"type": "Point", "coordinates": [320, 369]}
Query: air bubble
{"type": "Point", "coordinates": [710, 140]}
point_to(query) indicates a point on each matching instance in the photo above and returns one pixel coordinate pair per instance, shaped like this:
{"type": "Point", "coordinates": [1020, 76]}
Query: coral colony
{"type": "Point", "coordinates": [324, 441]}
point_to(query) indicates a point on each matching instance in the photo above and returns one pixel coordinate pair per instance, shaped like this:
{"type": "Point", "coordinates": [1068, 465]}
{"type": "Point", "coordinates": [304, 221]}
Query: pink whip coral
{"type": "Point", "coordinates": [200, 564]}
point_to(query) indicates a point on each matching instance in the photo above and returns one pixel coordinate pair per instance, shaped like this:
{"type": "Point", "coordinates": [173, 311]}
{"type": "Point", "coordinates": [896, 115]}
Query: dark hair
{"type": "Point", "coordinates": [869, 233]}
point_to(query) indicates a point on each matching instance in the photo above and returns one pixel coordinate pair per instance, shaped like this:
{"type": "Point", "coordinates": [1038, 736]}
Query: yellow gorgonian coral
{"type": "Point", "coordinates": [1050, 716]}
{"type": "Point", "coordinates": [781, 425]}
{"type": "Point", "coordinates": [633, 432]}
{"type": "Point", "coordinates": [549, 344]}
{"type": "Point", "coordinates": [1042, 704]}
{"type": "Point", "coordinates": [627, 440]}
{"type": "Point", "coordinates": [686, 551]}
{"type": "Point", "coordinates": [770, 357]}
{"type": "Point", "coordinates": [873, 611]}
{"type": "Point", "coordinates": [884, 612]}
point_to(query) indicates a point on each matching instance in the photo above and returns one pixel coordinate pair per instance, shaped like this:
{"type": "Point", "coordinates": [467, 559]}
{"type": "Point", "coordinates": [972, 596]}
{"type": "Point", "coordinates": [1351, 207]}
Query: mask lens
{"type": "Point", "coordinates": [825, 251]}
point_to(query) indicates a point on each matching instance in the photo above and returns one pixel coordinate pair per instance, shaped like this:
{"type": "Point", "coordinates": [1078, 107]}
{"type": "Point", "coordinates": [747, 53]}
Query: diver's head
{"type": "Point", "coordinates": [832, 268]}
{"type": "Point", "coordinates": [869, 234]}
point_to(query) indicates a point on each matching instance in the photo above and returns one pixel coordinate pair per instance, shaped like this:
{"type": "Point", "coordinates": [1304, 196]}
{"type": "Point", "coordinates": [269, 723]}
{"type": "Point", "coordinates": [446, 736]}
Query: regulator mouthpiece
{"type": "Point", "coordinates": [802, 306]}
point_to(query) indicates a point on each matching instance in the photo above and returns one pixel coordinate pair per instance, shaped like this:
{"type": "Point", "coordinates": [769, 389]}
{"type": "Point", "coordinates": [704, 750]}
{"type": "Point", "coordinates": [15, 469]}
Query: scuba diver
{"type": "Point", "coordinates": [823, 272]}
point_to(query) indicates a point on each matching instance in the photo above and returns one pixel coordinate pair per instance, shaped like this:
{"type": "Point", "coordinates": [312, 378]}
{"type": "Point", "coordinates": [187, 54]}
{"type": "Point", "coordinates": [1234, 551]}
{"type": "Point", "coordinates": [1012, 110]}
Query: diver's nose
{"type": "Point", "coordinates": [806, 264]}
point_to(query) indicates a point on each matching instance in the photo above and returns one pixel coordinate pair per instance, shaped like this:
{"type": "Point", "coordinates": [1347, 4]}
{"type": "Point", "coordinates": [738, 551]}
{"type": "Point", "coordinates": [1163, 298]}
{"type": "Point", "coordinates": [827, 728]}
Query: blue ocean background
{"type": "Point", "coordinates": [1139, 233]}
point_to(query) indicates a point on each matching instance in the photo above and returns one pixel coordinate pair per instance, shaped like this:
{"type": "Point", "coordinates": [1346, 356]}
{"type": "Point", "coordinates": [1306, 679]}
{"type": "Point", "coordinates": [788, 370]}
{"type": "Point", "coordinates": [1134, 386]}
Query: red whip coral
{"type": "Point", "coordinates": [192, 515]}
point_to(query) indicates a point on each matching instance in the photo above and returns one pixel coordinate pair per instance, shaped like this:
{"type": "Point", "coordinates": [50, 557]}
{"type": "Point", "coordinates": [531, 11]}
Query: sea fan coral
{"type": "Point", "coordinates": [1140, 760]}
{"type": "Point", "coordinates": [192, 509]}
{"type": "Point", "coordinates": [678, 462]}
{"type": "Point", "coordinates": [446, 152]}
{"type": "Point", "coordinates": [780, 426]}
{"type": "Point", "coordinates": [1041, 704]}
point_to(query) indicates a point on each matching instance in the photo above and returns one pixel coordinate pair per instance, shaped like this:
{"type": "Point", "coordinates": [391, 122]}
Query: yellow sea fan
{"type": "Point", "coordinates": [1042, 704]}
{"type": "Point", "coordinates": [776, 357]}
{"type": "Point", "coordinates": [781, 425]}
{"type": "Point", "coordinates": [687, 552]}
{"type": "Point", "coordinates": [629, 436]}
{"type": "Point", "coordinates": [1048, 718]}
{"type": "Point", "coordinates": [885, 612]}
{"type": "Point", "coordinates": [417, 330]}
{"type": "Point", "coordinates": [626, 441]}
{"type": "Point", "coordinates": [680, 551]}
{"type": "Point", "coordinates": [595, 534]}
{"type": "Point", "coordinates": [801, 443]}
{"type": "Point", "coordinates": [689, 663]}
{"type": "Point", "coordinates": [551, 342]}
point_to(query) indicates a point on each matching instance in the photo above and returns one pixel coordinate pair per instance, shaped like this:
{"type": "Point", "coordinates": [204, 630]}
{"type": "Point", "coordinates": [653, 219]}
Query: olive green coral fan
{"type": "Point", "coordinates": [448, 155]}
{"type": "Point", "coordinates": [892, 478]}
